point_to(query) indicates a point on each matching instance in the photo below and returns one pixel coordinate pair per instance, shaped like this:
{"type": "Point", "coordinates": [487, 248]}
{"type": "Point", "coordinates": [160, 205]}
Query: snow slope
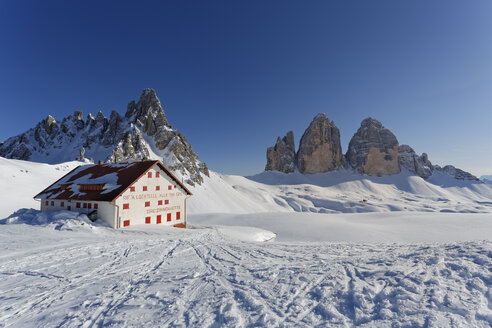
{"type": "Point", "coordinates": [332, 192]}
{"type": "Point", "coordinates": [339, 192]}
{"type": "Point", "coordinates": [23, 180]}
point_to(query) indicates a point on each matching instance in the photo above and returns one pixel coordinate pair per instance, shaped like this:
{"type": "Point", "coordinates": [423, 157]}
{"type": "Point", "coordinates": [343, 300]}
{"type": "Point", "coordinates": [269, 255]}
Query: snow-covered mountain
{"type": "Point", "coordinates": [144, 132]}
{"type": "Point", "coordinates": [486, 179]}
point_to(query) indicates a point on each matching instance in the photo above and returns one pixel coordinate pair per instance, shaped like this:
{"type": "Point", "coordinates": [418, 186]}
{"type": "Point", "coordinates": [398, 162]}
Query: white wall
{"type": "Point", "coordinates": [137, 212]}
{"type": "Point", "coordinates": [107, 212]}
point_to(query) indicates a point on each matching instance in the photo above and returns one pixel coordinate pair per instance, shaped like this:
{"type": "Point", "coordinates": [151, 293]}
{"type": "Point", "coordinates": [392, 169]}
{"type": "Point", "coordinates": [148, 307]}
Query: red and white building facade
{"type": "Point", "coordinates": [122, 195]}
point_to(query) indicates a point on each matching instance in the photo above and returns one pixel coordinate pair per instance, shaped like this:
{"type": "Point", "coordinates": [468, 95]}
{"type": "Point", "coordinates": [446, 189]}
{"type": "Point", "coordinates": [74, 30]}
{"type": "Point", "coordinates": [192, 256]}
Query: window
{"type": "Point", "coordinates": [69, 208]}
{"type": "Point", "coordinates": [159, 202]}
{"type": "Point", "coordinates": [62, 204]}
{"type": "Point", "coordinates": [178, 215]}
{"type": "Point", "coordinates": [147, 220]}
{"type": "Point", "coordinates": [157, 174]}
{"type": "Point", "coordinates": [147, 204]}
{"type": "Point", "coordinates": [52, 203]}
{"type": "Point", "coordinates": [132, 189]}
{"type": "Point", "coordinates": [126, 223]}
{"type": "Point", "coordinates": [89, 205]}
{"type": "Point", "coordinates": [158, 220]}
{"type": "Point", "coordinates": [144, 188]}
{"type": "Point", "coordinates": [77, 205]}
{"type": "Point", "coordinates": [91, 187]}
{"type": "Point", "coordinates": [166, 201]}
{"type": "Point", "coordinates": [169, 187]}
{"type": "Point", "coordinates": [168, 217]}
{"type": "Point", "coordinates": [126, 206]}
{"type": "Point", "coordinates": [46, 203]}
{"type": "Point", "coordinates": [157, 187]}
{"type": "Point", "coordinates": [85, 205]}
{"type": "Point", "coordinates": [95, 206]}
{"type": "Point", "coordinates": [149, 174]}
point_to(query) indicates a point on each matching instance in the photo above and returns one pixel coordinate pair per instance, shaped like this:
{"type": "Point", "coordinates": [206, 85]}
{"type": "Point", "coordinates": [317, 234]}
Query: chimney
{"type": "Point", "coordinates": [100, 162]}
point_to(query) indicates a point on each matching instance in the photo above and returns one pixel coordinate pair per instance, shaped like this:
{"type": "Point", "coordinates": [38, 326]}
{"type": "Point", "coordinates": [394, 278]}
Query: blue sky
{"type": "Point", "coordinates": [233, 75]}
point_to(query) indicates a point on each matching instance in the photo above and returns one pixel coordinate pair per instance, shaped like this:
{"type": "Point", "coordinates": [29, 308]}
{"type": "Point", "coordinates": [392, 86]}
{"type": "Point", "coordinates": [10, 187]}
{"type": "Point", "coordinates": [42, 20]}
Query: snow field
{"type": "Point", "coordinates": [196, 277]}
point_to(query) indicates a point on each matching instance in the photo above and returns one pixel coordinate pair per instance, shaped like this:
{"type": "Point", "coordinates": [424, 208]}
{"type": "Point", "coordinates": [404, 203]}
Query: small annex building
{"type": "Point", "coordinates": [122, 194]}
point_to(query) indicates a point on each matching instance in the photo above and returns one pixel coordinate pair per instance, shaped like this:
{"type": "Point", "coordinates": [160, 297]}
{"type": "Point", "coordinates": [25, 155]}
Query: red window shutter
{"type": "Point", "coordinates": [46, 203]}
{"type": "Point", "coordinates": [126, 223]}
{"type": "Point", "coordinates": [52, 203]}
{"type": "Point", "coordinates": [126, 206]}
{"type": "Point", "coordinates": [166, 201]}
{"type": "Point", "coordinates": [157, 187]}
{"type": "Point", "coordinates": [89, 205]}
{"type": "Point", "coordinates": [168, 217]}
{"type": "Point", "coordinates": [157, 174]}
{"type": "Point", "coordinates": [158, 220]}
{"type": "Point", "coordinates": [174, 186]}
{"type": "Point", "coordinates": [85, 205]}
{"type": "Point", "coordinates": [149, 174]}
{"type": "Point", "coordinates": [147, 220]}
{"type": "Point", "coordinates": [178, 215]}
{"type": "Point", "coordinates": [132, 188]}
{"type": "Point", "coordinates": [62, 204]}
{"type": "Point", "coordinates": [95, 206]}
{"type": "Point", "coordinates": [77, 205]}
{"type": "Point", "coordinates": [169, 187]}
{"type": "Point", "coordinates": [144, 188]}
{"type": "Point", "coordinates": [147, 204]}
{"type": "Point", "coordinates": [159, 202]}
{"type": "Point", "coordinates": [69, 208]}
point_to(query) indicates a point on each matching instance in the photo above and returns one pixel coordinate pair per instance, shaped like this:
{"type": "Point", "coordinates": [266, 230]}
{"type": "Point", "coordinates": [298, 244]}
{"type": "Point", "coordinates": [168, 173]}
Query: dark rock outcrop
{"type": "Point", "coordinates": [419, 165]}
{"type": "Point", "coordinates": [456, 173]}
{"type": "Point", "coordinates": [282, 156]}
{"type": "Point", "coordinates": [373, 150]}
{"type": "Point", "coordinates": [320, 149]}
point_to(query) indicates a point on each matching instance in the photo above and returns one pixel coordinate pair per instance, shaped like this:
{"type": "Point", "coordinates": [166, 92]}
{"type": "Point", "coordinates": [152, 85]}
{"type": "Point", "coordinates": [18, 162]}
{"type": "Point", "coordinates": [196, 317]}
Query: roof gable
{"type": "Point", "coordinates": [101, 182]}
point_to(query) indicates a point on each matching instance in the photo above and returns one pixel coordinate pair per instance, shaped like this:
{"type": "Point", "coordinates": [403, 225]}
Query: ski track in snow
{"type": "Point", "coordinates": [200, 278]}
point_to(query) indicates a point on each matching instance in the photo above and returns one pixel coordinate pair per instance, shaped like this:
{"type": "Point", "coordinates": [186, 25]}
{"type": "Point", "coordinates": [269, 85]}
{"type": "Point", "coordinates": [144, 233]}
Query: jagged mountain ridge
{"type": "Point", "coordinates": [144, 132]}
{"type": "Point", "coordinates": [373, 150]}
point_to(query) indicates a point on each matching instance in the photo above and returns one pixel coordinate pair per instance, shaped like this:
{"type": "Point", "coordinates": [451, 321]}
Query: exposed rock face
{"type": "Point", "coordinates": [320, 149]}
{"type": "Point", "coordinates": [419, 165]}
{"type": "Point", "coordinates": [143, 133]}
{"type": "Point", "coordinates": [282, 156]}
{"type": "Point", "coordinates": [148, 114]}
{"type": "Point", "coordinates": [373, 150]}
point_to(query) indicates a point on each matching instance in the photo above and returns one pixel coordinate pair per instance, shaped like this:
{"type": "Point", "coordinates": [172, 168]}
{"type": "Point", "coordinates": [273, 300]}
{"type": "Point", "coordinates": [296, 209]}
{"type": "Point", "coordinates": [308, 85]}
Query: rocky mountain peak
{"type": "Point", "coordinates": [147, 112]}
{"type": "Point", "coordinates": [414, 163]}
{"type": "Point", "coordinates": [143, 133]}
{"type": "Point", "coordinates": [320, 149]}
{"type": "Point", "coordinates": [373, 149]}
{"type": "Point", "coordinates": [281, 157]}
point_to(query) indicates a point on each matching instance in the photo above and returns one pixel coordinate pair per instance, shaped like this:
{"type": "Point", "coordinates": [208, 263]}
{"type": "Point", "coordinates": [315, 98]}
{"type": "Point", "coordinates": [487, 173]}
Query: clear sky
{"type": "Point", "coordinates": [234, 75]}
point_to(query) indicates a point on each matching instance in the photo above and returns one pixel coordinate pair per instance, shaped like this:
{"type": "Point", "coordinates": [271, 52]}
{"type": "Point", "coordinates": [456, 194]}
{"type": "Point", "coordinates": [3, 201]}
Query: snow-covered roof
{"type": "Point", "coordinates": [101, 182]}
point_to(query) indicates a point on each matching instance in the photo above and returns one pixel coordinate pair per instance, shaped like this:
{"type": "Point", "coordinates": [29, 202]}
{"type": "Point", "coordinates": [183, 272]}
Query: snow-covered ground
{"type": "Point", "coordinates": [270, 250]}
{"type": "Point", "coordinates": [68, 275]}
